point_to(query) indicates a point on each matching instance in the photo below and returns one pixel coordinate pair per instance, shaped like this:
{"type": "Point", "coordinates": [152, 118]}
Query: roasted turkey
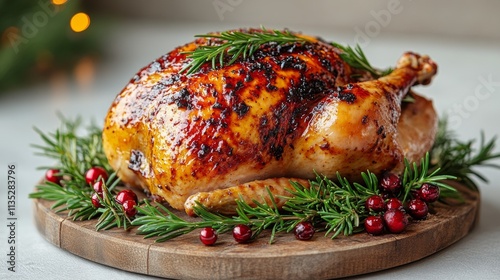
{"type": "Point", "coordinates": [283, 114]}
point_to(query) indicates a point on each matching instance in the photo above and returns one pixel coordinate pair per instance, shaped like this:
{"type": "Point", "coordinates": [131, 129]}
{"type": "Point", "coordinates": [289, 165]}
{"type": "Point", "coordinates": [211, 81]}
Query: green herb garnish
{"type": "Point", "coordinates": [461, 158]}
{"type": "Point", "coordinates": [236, 44]}
{"type": "Point", "coordinates": [337, 207]}
{"type": "Point", "coordinates": [74, 155]}
{"type": "Point", "coordinates": [356, 58]}
{"type": "Point", "coordinates": [334, 205]}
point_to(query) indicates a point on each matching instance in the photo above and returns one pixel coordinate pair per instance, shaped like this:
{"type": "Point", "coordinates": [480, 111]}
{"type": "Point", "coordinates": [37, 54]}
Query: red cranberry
{"type": "Point", "coordinates": [304, 231]}
{"type": "Point", "coordinates": [375, 203]}
{"type": "Point", "coordinates": [125, 195]}
{"type": "Point", "coordinates": [94, 174]}
{"type": "Point", "coordinates": [95, 200]}
{"type": "Point", "coordinates": [429, 193]}
{"type": "Point", "coordinates": [394, 203]}
{"type": "Point", "coordinates": [390, 183]}
{"type": "Point", "coordinates": [129, 208]}
{"type": "Point", "coordinates": [386, 195]}
{"type": "Point", "coordinates": [242, 233]}
{"type": "Point", "coordinates": [395, 220]}
{"type": "Point", "coordinates": [418, 209]}
{"type": "Point", "coordinates": [52, 175]}
{"type": "Point", "coordinates": [374, 225]}
{"type": "Point", "coordinates": [98, 186]}
{"type": "Point", "coordinates": [208, 236]}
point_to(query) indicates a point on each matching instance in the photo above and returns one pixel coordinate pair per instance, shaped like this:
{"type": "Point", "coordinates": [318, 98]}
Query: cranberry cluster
{"type": "Point", "coordinates": [126, 198]}
{"type": "Point", "coordinates": [96, 176]}
{"type": "Point", "coordinates": [388, 211]}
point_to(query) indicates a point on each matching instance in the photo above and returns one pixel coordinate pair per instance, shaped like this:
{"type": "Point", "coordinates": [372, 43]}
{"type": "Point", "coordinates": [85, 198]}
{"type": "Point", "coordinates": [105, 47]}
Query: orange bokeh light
{"type": "Point", "coordinates": [59, 2]}
{"type": "Point", "coordinates": [10, 35]}
{"type": "Point", "coordinates": [80, 22]}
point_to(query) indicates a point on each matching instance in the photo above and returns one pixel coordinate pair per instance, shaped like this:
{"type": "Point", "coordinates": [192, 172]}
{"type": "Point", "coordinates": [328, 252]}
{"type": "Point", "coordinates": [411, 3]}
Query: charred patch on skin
{"type": "Point", "coordinates": [136, 160]}
{"type": "Point", "coordinates": [139, 163]}
{"type": "Point", "coordinates": [241, 109]}
{"type": "Point", "coordinates": [348, 97]}
{"type": "Point", "coordinates": [381, 131]}
{"type": "Point", "coordinates": [182, 99]}
{"type": "Point", "coordinates": [291, 62]}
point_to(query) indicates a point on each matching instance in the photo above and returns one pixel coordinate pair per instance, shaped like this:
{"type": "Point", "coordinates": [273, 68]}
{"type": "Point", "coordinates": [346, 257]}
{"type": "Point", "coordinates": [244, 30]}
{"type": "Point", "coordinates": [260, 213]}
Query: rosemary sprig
{"type": "Point", "coordinates": [111, 213]}
{"type": "Point", "coordinates": [77, 201]}
{"type": "Point", "coordinates": [460, 158]}
{"type": "Point", "coordinates": [235, 44]}
{"type": "Point", "coordinates": [415, 176]}
{"type": "Point", "coordinates": [74, 199]}
{"type": "Point", "coordinates": [338, 206]}
{"type": "Point", "coordinates": [75, 155]}
{"type": "Point", "coordinates": [356, 58]}
{"type": "Point", "coordinates": [157, 221]}
{"type": "Point", "coordinates": [335, 206]}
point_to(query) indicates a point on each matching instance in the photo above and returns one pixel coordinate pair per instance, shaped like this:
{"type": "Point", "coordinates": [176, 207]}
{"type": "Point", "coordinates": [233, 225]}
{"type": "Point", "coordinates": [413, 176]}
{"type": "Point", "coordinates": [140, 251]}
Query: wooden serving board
{"type": "Point", "coordinates": [320, 258]}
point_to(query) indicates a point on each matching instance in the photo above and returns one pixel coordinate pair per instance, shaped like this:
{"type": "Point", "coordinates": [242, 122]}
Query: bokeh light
{"type": "Point", "coordinates": [9, 36]}
{"type": "Point", "coordinates": [80, 22]}
{"type": "Point", "coordinates": [59, 2]}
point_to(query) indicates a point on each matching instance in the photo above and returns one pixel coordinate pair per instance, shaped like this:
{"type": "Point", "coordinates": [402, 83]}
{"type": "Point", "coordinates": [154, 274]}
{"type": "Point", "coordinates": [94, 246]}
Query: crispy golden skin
{"type": "Point", "coordinates": [284, 113]}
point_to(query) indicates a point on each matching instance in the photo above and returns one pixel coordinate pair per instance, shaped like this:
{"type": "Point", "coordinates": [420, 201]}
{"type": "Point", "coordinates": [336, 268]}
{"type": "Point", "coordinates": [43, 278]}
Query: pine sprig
{"type": "Point", "coordinates": [235, 44]}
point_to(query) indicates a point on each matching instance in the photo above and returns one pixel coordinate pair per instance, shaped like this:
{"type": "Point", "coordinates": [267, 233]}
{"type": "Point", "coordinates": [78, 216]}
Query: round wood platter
{"type": "Point", "coordinates": [287, 258]}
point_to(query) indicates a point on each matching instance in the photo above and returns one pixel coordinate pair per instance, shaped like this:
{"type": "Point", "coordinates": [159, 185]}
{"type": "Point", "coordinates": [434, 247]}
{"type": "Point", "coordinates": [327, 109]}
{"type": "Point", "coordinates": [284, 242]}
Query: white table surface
{"type": "Point", "coordinates": [464, 66]}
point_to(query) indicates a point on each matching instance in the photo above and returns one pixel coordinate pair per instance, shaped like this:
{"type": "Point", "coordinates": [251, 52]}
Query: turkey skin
{"type": "Point", "coordinates": [285, 113]}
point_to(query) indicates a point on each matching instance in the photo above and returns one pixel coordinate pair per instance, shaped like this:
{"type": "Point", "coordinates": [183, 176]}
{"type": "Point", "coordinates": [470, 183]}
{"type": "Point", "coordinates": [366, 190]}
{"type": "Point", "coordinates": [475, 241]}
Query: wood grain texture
{"type": "Point", "coordinates": [320, 258]}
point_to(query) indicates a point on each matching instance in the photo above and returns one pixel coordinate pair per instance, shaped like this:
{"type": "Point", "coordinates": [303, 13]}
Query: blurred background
{"type": "Point", "coordinates": [75, 56]}
{"type": "Point", "coordinates": [55, 41]}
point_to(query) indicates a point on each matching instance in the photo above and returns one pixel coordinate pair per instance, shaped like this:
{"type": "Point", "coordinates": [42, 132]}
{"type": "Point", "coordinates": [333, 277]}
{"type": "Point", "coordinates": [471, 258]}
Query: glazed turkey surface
{"type": "Point", "coordinates": [284, 113]}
